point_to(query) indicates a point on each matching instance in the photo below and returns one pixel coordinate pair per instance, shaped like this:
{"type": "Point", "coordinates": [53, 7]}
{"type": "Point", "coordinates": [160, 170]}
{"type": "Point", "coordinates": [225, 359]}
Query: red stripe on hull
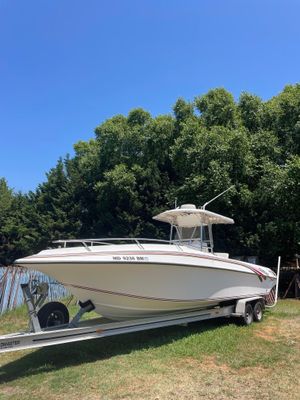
{"type": "Point", "coordinates": [156, 298]}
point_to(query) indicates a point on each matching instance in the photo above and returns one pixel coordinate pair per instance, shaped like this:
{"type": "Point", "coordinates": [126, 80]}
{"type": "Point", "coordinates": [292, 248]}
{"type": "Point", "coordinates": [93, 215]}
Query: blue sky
{"type": "Point", "coordinates": [66, 66]}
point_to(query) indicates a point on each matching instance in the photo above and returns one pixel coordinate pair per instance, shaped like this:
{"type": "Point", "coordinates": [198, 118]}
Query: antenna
{"type": "Point", "coordinates": [210, 201]}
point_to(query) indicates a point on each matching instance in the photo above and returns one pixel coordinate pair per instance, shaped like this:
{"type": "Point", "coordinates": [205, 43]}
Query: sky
{"type": "Point", "coordinates": [68, 65]}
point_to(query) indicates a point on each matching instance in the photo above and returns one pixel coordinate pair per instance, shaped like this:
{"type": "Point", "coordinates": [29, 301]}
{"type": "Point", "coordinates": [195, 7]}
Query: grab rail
{"type": "Point", "coordinates": [107, 241]}
{"type": "Point", "coordinates": [87, 243]}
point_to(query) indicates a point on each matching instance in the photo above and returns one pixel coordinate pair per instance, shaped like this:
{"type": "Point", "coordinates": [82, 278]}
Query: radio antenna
{"type": "Point", "coordinates": [220, 194]}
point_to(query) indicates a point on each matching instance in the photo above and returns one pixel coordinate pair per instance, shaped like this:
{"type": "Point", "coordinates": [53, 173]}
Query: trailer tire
{"type": "Point", "coordinates": [53, 314]}
{"type": "Point", "coordinates": [247, 318]}
{"type": "Point", "coordinates": [258, 311]}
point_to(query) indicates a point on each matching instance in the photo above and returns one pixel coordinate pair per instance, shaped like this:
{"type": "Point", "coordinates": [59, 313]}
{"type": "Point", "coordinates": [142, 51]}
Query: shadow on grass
{"type": "Point", "coordinates": [57, 357]}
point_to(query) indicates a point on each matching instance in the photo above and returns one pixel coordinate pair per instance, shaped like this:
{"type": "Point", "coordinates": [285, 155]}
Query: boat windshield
{"type": "Point", "coordinates": [198, 237]}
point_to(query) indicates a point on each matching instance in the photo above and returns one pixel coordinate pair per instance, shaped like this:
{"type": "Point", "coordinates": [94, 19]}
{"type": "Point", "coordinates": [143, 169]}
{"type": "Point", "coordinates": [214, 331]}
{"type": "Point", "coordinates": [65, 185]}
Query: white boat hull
{"type": "Point", "coordinates": [149, 283]}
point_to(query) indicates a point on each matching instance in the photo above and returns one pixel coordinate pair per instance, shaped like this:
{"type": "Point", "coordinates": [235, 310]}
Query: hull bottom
{"type": "Point", "coordinates": [119, 308]}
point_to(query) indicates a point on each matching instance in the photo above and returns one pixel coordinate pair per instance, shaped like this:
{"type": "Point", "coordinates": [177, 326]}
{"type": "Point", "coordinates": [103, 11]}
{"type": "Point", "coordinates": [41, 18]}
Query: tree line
{"type": "Point", "coordinates": [137, 165]}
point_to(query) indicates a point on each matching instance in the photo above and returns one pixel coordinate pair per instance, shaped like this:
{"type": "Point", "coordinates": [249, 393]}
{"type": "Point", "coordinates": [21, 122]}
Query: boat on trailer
{"type": "Point", "coordinates": [136, 278]}
{"type": "Point", "coordinates": [140, 284]}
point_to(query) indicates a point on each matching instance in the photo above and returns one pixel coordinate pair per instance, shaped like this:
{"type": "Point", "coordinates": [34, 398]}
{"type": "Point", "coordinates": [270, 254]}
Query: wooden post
{"type": "Point", "coordinates": [297, 285]}
{"type": "Point", "coordinates": [296, 282]}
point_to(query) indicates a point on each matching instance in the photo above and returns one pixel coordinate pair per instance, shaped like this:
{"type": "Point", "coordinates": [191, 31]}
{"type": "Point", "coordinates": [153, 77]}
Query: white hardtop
{"type": "Point", "coordinates": [188, 216]}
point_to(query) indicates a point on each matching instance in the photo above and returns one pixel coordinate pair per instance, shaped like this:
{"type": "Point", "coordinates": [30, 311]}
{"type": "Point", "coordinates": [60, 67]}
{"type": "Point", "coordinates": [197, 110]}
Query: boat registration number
{"type": "Point", "coordinates": [130, 258]}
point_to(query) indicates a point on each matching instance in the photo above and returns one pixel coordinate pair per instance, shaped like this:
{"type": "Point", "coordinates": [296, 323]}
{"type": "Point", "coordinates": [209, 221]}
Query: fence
{"type": "Point", "coordinates": [10, 286]}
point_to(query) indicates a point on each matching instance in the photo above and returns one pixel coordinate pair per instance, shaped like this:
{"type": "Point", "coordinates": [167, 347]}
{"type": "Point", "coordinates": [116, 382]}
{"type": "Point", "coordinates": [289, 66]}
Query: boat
{"type": "Point", "coordinates": [135, 278]}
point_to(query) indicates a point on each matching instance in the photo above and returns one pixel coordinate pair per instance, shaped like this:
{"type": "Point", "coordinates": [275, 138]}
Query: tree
{"type": "Point", "coordinates": [138, 116]}
{"type": "Point", "coordinates": [55, 206]}
{"type": "Point", "coordinates": [137, 165]}
{"type": "Point", "coordinates": [6, 198]}
{"type": "Point", "coordinates": [283, 117]}
{"type": "Point", "coordinates": [217, 107]}
{"type": "Point", "coordinates": [183, 110]}
{"type": "Point", "coordinates": [251, 111]}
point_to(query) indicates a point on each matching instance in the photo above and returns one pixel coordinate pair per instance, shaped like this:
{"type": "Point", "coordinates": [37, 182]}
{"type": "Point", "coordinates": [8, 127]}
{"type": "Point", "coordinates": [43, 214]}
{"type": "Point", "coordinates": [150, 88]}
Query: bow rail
{"type": "Point", "coordinates": [87, 243]}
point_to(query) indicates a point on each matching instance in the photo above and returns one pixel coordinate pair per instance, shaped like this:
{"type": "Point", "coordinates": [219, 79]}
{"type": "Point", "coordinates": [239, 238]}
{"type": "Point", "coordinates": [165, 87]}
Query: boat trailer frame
{"type": "Point", "coordinates": [95, 328]}
{"type": "Point", "coordinates": [76, 330]}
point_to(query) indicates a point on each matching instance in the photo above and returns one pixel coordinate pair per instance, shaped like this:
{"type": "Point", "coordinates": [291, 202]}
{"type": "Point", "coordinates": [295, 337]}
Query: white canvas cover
{"type": "Point", "coordinates": [188, 216]}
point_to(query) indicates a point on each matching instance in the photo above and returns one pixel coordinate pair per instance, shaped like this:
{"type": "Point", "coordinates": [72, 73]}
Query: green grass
{"type": "Point", "coordinates": [214, 359]}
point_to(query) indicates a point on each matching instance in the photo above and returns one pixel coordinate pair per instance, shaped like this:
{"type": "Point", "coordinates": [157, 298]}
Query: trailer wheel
{"type": "Point", "coordinates": [53, 314]}
{"type": "Point", "coordinates": [247, 318]}
{"type": "Point", "coordinates": [258, 311]}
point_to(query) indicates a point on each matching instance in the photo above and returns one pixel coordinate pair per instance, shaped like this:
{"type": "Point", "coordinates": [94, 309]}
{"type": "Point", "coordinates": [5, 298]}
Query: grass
{"type": "Point", "coordinates": [211, 360]}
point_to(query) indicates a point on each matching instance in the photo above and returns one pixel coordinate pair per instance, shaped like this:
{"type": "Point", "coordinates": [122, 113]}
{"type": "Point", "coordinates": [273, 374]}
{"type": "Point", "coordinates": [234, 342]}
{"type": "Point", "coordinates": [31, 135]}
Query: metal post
{"type": "Point", "coordinates": [277, 280]}
{"type": "Point", "coordinates": [277, 283]}
{"type": "Point", "coordinates": [201, 236]}
{"type": "Point", "coordinates": [211, 238]}
{"type": "Point", "coordinates": [32, 313]}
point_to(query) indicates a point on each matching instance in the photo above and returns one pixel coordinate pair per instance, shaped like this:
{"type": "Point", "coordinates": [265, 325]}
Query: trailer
{"type": "Point", "coordinates": [247, 310]}
{"type": "Point", "coordinates": [49, 323]}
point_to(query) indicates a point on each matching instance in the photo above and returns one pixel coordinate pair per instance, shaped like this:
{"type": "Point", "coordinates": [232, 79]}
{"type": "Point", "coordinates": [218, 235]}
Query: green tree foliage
{"type": "Point", "coordinates": [57, 212]}
{"type": "Point", "coordinates": [283, 117]}
{"type": "Point", "coordinates": [251, 111]}
{"type": "Point", "coordinates": [217, 107]}
{"type": "Point", "coordinates": [6, 198]}
{"type": "Point", "coordinates": [137, 165]}
{"type": "Point", "coordinates": [18, 232]}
